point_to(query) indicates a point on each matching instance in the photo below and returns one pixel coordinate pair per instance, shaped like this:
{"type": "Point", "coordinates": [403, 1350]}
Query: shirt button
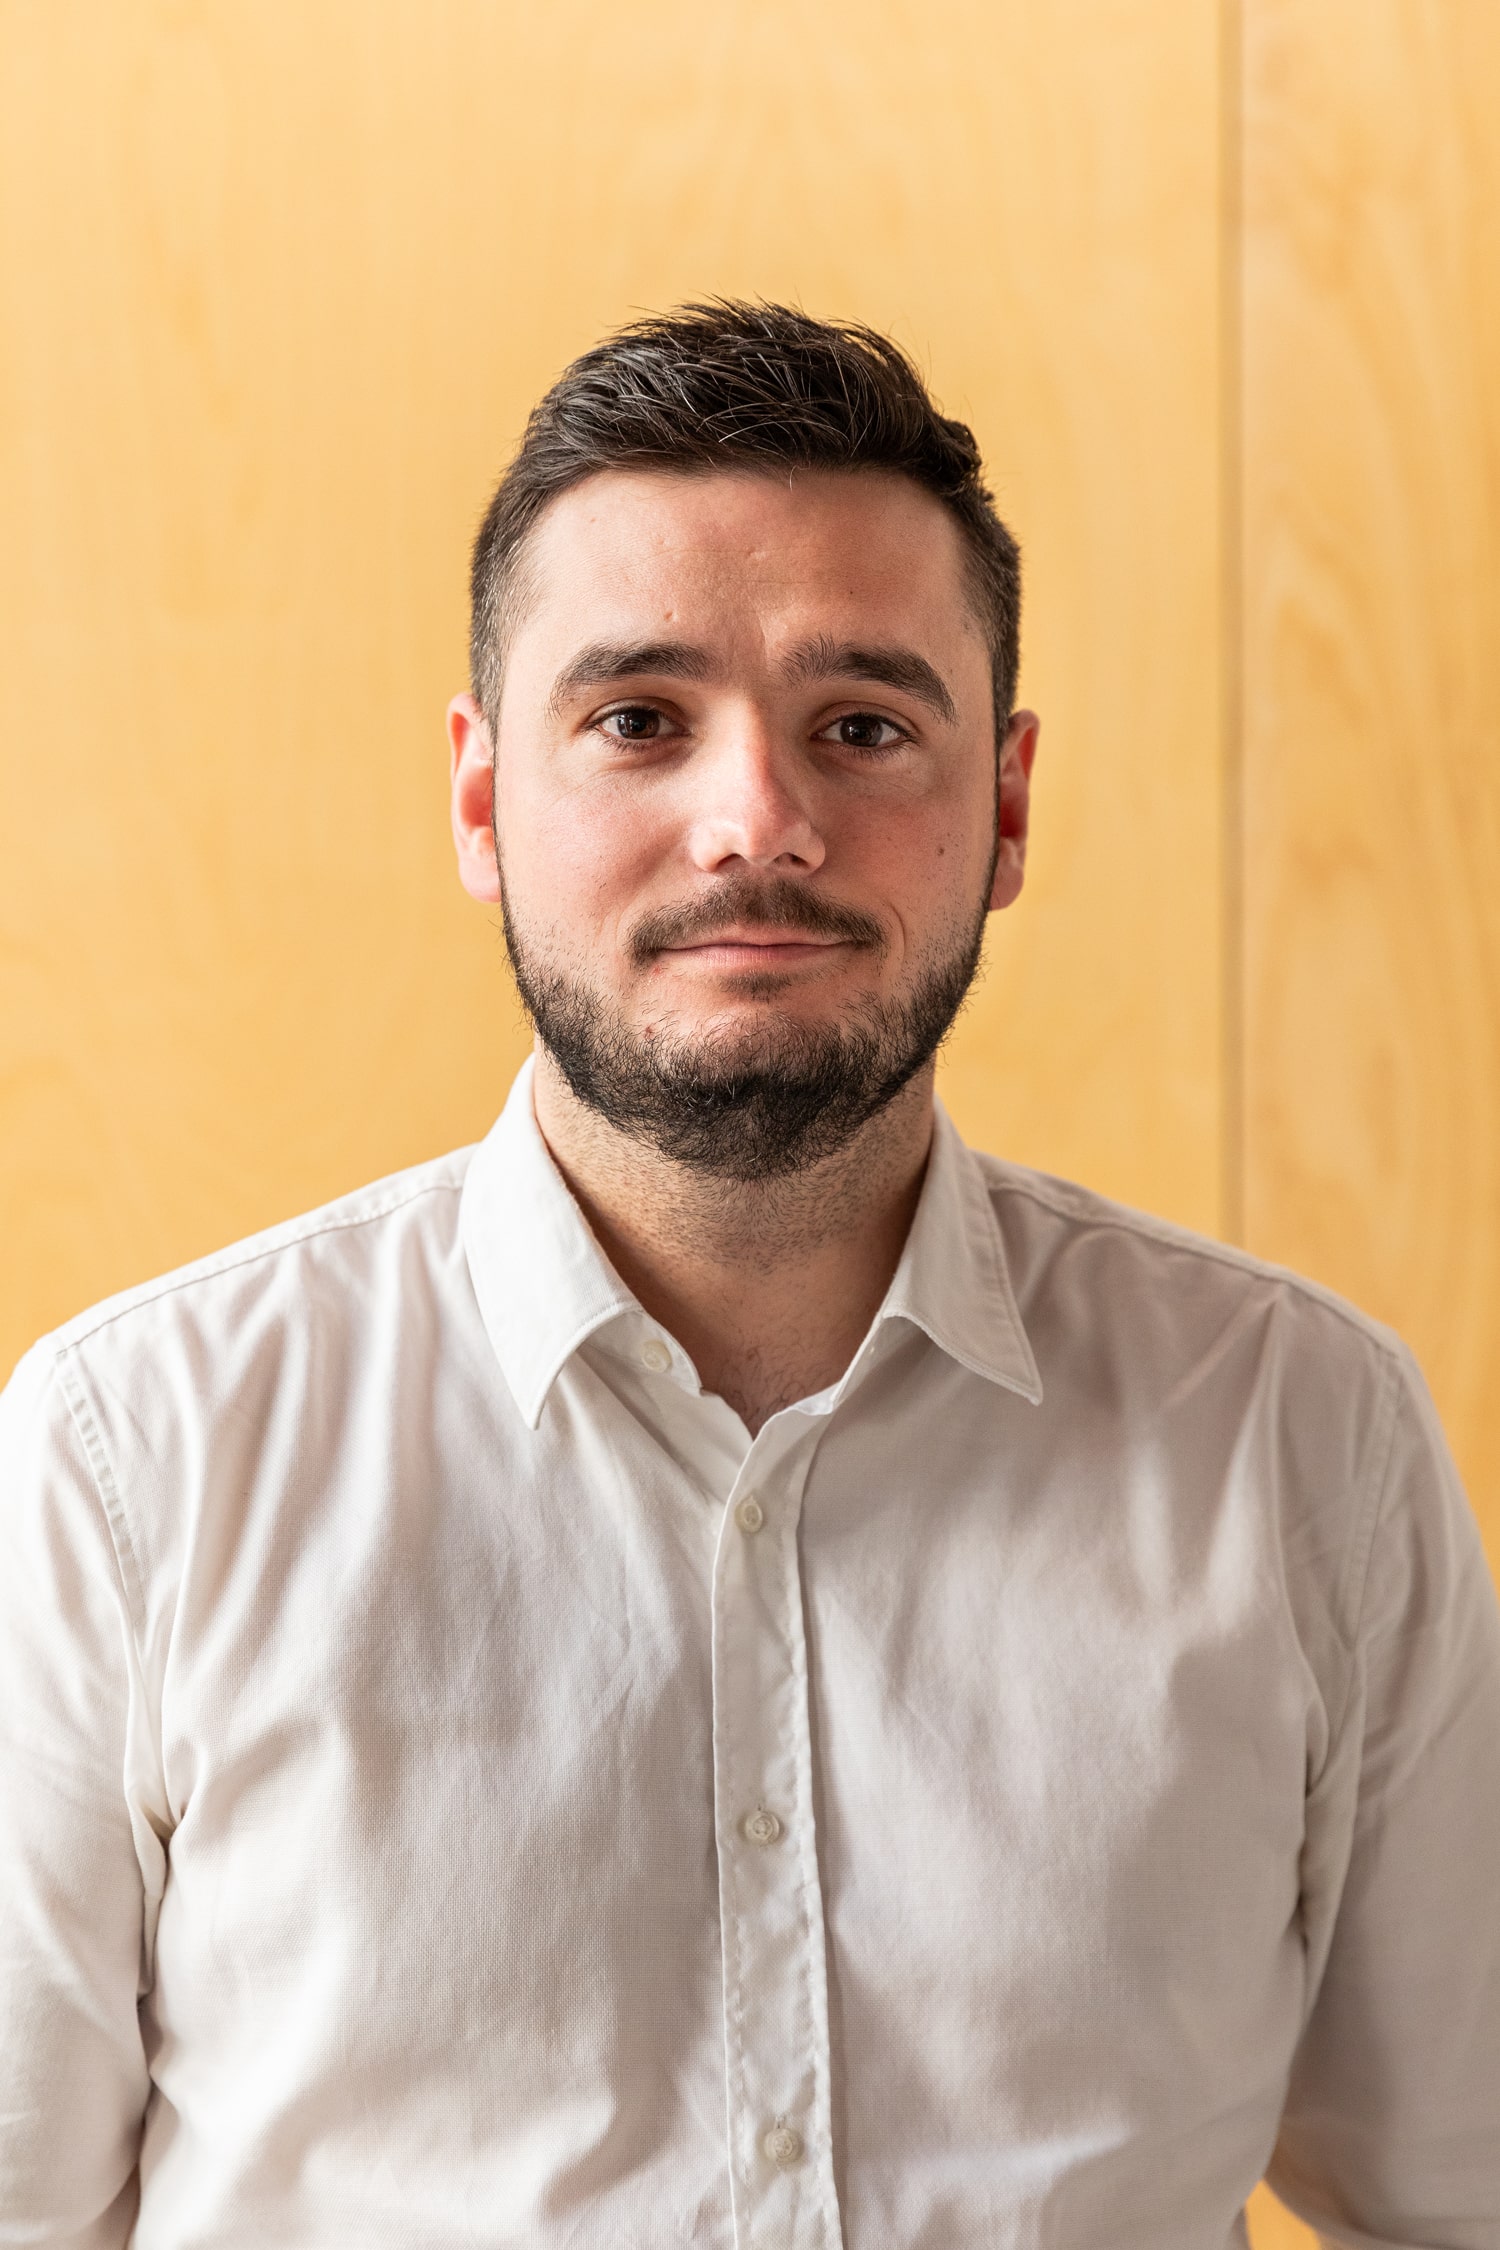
{"type": "Point", "coordinates": [783, 2145]}
{"type": "Point", "coordinates": [655, 1355]}
{"type": "Point", "coordinates": [749, 1515]}
{"type": "Point", "coordinates": [762, 1827]}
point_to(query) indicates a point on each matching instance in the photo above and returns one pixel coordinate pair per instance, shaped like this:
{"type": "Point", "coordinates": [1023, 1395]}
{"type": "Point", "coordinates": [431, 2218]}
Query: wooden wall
{"type": "Point", "coordinates": [1366, 705]}
{"type": "Point", "coordinates": [1215, 285]}
{"type": "Point", "coordinates": [1369, 692]}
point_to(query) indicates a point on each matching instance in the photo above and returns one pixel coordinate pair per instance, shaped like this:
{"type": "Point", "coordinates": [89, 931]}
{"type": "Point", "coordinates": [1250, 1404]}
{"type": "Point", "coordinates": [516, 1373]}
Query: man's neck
{"type": "Point", "coordinates": [768, 1285]}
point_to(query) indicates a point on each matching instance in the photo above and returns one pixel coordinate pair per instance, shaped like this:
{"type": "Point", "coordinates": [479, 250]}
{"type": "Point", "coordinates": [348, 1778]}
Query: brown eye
{"type": "Point", "coordinates": [636, 723]}
{"type": "Point", "coordinates": [866, 730]}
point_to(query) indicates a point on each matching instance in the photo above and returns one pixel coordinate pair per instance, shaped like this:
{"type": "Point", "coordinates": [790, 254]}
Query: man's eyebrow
{"type": "Point", "coordinates": [604, 661]}
{"type": "Point", "coordinates": [901, 668]}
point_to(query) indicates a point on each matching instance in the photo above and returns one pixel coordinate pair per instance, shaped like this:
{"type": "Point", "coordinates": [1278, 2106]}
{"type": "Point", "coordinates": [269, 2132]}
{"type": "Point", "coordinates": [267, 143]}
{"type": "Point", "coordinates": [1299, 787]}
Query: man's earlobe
{"type": "Point", "coordinates": [472, 798]}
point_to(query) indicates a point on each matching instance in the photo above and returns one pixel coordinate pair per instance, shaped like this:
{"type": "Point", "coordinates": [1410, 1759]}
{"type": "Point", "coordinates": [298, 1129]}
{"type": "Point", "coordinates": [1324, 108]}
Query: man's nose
{"type": "Point", "coordinates": [754, 803]}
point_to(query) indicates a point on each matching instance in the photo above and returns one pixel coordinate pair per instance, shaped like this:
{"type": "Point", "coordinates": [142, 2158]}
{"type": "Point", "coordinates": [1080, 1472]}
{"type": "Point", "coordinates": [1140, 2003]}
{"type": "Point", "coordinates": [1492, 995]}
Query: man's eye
{"type": "Point", "coordinates": [637, 722]}
{"type": "Point", "coordinates": [865, 730]}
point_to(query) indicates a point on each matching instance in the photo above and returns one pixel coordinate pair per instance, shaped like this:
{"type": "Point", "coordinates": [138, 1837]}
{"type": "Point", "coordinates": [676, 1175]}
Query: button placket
{"type": "Point", "coordinates": [771, 1912]}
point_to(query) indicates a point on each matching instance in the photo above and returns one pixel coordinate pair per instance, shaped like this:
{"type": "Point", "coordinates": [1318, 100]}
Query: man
{"type": "Point", "coordinates": [720, 1669]}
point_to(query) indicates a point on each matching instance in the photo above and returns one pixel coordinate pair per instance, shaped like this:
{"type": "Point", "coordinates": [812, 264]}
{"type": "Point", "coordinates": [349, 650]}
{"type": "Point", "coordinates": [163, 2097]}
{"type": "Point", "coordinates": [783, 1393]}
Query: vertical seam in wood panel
{"type": "Point", "coordinates": [1231, 622]}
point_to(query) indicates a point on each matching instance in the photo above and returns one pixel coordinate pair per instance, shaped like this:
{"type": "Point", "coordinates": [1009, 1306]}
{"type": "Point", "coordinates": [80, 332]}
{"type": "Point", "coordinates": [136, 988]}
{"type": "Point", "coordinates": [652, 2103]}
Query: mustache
{"type": "Point", "coordinates": [779, 904]}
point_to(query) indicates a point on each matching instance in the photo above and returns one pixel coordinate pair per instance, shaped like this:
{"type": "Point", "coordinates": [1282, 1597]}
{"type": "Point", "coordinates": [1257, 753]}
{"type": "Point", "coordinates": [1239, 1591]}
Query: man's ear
{"type": "Point", "coordinates": [472, 771]}
{"type": "Point", "coordinates": [1017, 754]}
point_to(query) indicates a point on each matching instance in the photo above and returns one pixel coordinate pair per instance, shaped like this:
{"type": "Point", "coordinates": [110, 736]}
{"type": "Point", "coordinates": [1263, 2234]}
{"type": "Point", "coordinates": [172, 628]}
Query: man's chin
{"type": "Point", "coordinates": [745, 1090]}
{"type": "Point", "coordinates": [725, 1040]}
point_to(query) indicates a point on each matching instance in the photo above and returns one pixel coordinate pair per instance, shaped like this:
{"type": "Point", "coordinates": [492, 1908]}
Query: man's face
{"type": "Point", "coordinates": [746, 801]}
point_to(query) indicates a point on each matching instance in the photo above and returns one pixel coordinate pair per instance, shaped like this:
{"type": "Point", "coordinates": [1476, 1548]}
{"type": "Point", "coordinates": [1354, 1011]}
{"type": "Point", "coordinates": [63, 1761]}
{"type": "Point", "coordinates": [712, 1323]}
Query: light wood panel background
{"type": "Point", "coordinates": [1365, 787]}
{"type": "Point", "coordinates": [1371, 675]}
{"type": "Point", "coordinates": [1216, 287]}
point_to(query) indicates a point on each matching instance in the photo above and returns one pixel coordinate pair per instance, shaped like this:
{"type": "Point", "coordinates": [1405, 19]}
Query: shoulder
{"type": "Point", "coordinates": [1260, 1398]}
{"type": "Point", "coordinates": [223, 1386]}
{"type": "Point", "coordinates": [1143, 1269]}
{"type": "Point", "coordinates": [279, 1274]}
{"type": "Point", "coordinates": [1191, 1342]}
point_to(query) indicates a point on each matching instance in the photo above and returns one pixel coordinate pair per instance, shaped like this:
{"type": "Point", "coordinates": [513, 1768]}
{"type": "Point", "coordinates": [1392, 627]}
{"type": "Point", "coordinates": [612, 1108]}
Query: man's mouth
{"type": "Point", "coordinates": [777, 929]}
{"type": "Point", "coordinates": [753, 948]}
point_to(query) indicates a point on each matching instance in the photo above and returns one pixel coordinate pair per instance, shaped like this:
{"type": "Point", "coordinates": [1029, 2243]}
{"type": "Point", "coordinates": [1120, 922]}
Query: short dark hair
{"type": "Point", "coordinates": [748, 386]}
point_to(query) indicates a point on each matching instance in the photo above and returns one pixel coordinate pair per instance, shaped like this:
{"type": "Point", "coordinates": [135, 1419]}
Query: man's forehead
{"type": "Point", "coordinates": [853, 543]}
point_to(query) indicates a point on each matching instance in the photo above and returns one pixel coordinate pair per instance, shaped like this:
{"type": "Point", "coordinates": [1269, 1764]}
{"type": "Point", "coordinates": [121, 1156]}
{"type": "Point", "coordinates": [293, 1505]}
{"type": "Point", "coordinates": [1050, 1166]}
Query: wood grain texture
{"type": "Point", "coordinates": [1371, 576]}
{"type": "Point", "coordinates": [278, 286]}
{"type": "Point", "coordinates": [1371, 684]}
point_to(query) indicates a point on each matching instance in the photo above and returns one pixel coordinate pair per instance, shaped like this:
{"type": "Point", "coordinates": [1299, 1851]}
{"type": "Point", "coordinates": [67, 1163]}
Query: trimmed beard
{"type": "Point", "coordinates": [756, 1104]}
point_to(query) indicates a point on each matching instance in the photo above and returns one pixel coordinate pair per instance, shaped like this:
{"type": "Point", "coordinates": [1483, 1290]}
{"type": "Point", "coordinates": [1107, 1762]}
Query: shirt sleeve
{"type": "Point", "coordinates": [73, 1887]}
{"type": "Point", "coordinates": [1391, 2129]}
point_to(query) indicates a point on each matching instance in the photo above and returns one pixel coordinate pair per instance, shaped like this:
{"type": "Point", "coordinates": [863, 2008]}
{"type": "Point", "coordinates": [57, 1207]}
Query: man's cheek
{"type": "Point", "coordinates": [603, 865]}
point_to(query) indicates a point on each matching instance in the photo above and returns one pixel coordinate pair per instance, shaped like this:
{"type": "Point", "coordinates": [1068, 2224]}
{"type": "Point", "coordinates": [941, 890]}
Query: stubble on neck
{"type": "Point", "coordinates": [769, 1285]}
{"type": "Point", "coordinates": [634, 1195]}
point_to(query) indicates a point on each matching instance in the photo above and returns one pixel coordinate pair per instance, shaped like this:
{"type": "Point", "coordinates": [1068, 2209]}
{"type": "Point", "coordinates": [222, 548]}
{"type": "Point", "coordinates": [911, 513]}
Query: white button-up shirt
{"type": "Point", "coordinates": [460, 1790]}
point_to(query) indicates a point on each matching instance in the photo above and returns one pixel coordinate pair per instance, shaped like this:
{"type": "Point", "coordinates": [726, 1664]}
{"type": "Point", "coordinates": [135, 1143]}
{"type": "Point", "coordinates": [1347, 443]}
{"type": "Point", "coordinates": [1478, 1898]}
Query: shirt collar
{"type": "Point", "coordinates": [953, 1281]}
{"type": "Point", "coordinates": [544, 1285]}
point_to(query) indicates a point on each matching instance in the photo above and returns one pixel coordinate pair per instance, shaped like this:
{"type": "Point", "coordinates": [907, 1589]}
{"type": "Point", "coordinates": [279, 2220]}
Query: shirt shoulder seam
{"type": "Point", "coordinates": [1354, 1592]}
{"type": "Point", "coordinates": [1123, 1221]}
{"type": "Point", "coordinates": [122, 1547]}
{"type": "Point", "coordinates": [106, 1487]}
{"type": "Point", "coordinates": [234, 1260]}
